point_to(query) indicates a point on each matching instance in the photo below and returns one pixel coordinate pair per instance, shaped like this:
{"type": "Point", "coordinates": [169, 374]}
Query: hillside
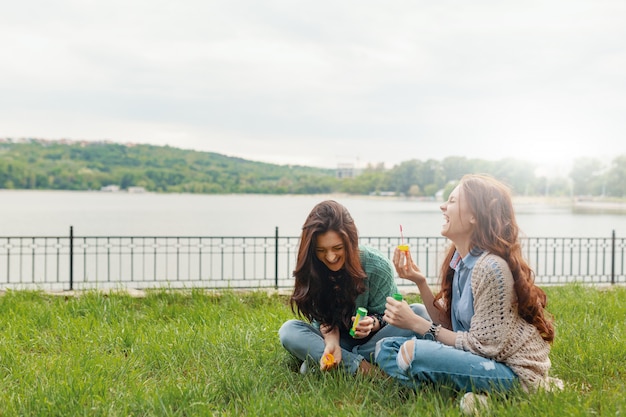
{"type": "Point", "coordinates": [69, 165]}
{"type": "Point", "coordinates": [72, 165]}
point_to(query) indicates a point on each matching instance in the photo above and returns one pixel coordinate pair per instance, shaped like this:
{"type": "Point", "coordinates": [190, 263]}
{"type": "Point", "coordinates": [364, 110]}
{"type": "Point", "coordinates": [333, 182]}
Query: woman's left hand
{"type": "Point", "coordinates": [364, 327]}
{"type": "Point", "coordinates": [399, 314]}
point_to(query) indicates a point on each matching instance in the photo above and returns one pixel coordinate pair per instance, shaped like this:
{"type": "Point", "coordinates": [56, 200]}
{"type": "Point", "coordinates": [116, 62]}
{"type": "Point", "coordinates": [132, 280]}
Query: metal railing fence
{"type": "Point", "coordinates": [249, 262]}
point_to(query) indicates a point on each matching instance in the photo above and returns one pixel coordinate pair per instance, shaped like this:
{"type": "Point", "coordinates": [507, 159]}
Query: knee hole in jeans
{"type": "Point", "coordinates": [405, 356]}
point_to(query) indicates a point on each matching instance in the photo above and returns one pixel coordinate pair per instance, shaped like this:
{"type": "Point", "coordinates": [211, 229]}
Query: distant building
{"type": "Point", "coordinates": [439, 195]}
{"type": "Point", "coordinates": [110, 188]}
{"type": "Point", "coordinates": [346, 171]}
{"type": "Point", "coordinates": [135, 190]}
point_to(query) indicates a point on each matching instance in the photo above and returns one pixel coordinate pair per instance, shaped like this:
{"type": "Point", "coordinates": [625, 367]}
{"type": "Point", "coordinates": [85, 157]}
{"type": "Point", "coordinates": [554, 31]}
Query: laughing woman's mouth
{"type": "Point", "coordinates": [335, 265]}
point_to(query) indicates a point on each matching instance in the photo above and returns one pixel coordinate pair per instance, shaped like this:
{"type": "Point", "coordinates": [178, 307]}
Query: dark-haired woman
{"type": "Point", "coordinates": [489, 328]}
{"type": "Point", "coordinates": [334, 276]}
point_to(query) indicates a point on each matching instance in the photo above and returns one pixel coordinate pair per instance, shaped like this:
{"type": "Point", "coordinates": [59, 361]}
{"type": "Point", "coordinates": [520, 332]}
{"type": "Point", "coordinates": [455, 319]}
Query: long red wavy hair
{"type": "Point", "coordinates": [496, 231]}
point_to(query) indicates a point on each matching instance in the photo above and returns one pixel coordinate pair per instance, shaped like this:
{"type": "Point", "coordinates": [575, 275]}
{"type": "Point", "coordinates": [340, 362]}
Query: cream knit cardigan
{"type": "Point", "coordinates": [498, 332]}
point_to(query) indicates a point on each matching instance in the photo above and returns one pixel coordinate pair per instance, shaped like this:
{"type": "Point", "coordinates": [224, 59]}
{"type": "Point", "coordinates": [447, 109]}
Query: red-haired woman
{"type": "Point", "coordinates": [489, 326]}
{"type": "Point", "coordinates": [334, 276]}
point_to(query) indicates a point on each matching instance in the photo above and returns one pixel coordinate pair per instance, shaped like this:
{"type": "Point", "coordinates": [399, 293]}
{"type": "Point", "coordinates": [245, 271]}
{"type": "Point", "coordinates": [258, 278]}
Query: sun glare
{"type": "Point", "coordinates": [554, 157]}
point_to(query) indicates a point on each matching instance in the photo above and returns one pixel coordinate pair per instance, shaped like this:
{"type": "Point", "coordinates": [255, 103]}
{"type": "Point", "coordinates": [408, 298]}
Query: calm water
{"type": "Point", "coordinates": [51, 213]}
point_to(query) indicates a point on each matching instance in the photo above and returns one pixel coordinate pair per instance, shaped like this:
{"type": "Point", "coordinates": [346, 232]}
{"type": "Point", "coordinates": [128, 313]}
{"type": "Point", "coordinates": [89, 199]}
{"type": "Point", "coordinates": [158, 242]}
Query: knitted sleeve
{"type": "Point", "coordinates": [380, 280]}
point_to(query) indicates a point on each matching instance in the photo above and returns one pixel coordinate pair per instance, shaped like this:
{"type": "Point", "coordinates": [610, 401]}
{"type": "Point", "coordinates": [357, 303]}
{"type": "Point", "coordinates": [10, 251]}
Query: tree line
{"type": "Point", "coordinates": [63, 165]}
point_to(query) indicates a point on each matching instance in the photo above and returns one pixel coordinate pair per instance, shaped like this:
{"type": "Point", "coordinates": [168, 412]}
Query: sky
{"type": "Point", "coordinates": [322, 83]}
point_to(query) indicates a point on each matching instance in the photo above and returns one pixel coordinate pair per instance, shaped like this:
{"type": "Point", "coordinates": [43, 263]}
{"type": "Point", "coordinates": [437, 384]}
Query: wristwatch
{"type": "Point", "coordinates": [432, 332]}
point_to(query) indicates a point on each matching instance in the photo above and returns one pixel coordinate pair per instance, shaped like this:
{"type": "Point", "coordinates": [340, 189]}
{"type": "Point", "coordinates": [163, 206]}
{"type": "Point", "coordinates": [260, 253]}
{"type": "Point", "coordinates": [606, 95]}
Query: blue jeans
{"type": "Point", "coordinates": [305, 341]}
{"type": "Point", "coordinates": [434, 362]}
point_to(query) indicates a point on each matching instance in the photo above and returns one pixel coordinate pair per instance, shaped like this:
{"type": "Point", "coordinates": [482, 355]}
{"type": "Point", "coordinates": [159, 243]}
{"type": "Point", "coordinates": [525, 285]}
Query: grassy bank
{"type": "Point", "coordinates": [197, 353]}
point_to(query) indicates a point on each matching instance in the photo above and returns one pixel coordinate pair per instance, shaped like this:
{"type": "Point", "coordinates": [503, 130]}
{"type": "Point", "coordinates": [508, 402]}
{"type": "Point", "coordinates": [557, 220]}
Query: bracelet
{"type": "Point", "coordinates": [380, 319]}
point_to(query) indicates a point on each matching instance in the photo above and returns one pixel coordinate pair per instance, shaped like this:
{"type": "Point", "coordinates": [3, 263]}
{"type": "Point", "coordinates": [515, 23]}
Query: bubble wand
{"type": "Point", "coordinates": [402, 246]}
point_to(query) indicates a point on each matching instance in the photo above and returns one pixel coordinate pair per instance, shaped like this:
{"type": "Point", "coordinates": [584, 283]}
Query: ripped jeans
{"type": "Point", "coordinates": [434, 362]}
{"type": "Point", "coordinates": [304, 340]}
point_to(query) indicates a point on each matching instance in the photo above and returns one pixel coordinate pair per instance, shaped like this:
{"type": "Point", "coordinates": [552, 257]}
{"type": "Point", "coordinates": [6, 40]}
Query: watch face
{"type": "Point", "coordinates": [431, 333]}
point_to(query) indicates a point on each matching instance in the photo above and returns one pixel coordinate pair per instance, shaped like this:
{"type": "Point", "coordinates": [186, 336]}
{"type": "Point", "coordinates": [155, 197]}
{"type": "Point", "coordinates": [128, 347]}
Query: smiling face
{"type": "Point", "coordinates": [330, 249]}
{"type": "Point", "coordinates": [459, 220]}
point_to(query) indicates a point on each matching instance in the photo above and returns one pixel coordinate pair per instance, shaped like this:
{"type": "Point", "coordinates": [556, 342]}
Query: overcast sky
{"type": "Point", "coordinates": [321, 82]}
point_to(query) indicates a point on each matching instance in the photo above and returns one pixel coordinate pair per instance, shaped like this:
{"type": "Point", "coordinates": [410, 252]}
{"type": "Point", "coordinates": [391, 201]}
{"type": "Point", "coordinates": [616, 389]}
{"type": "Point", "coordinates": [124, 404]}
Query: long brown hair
{"type": "Point", "coordinates": [497, 232]}
{"type": "Point", "coordinates": [320, 294]}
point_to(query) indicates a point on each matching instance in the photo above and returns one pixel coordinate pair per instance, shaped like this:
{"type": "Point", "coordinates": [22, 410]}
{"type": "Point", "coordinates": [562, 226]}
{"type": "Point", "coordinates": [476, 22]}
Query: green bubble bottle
{"type": "Point", "coordinates": [360, 313]}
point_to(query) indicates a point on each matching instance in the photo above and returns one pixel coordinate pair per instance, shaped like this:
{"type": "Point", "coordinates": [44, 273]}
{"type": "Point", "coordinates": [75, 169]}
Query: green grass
{"type": "Point", "coordinates": [200, 353]}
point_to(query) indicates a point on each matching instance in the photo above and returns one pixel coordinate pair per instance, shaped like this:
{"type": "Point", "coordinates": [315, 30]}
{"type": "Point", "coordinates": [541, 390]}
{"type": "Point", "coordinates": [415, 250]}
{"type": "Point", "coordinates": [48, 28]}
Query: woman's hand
{"type": "Point", "coordinates": [332, 346]}
{"type": "Point", "coordinates": [364, 327]}
{"type": "Point", "coordinates": [406, 268]}
{"type": "Point", "coordinates": [335, 351]}
{"type": "Point", "coordinates": [399, 314]}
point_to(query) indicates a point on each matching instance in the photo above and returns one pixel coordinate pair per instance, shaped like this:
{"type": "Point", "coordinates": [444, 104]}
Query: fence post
{"type": "Point", "coordinates": [71, 258]}
{"type": "Point", "coordinates": [613, 257]}
{"type": "Point", "coordinates": [276, 258]}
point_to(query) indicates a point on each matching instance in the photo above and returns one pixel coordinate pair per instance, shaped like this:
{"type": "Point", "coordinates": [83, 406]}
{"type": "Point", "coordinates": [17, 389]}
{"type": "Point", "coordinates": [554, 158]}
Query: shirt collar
{"type": "Point", "coordinates": [467, 261]}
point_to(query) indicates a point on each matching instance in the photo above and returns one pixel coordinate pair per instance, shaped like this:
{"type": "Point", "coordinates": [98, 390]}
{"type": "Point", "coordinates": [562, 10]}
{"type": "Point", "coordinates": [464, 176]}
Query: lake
{"type": "Point", "coordinates": [94, 213]}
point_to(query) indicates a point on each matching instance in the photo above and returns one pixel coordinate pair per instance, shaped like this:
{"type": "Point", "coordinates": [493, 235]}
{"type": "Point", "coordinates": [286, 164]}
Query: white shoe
{"type": "Point", "coordinates": [308, 366]}
{"type": "Point", "coordinates": [304, 368]}
{"type": "Point", "coordinates": [472, 404]}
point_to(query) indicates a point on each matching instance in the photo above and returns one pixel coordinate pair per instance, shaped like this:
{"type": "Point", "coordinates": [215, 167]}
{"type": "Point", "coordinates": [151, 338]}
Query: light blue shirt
{"type": "Point", "coordinates": [462, 306]}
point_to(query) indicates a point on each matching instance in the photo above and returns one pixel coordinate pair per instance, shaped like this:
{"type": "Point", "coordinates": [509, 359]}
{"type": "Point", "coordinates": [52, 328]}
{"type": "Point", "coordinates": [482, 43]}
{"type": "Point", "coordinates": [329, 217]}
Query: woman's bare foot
{"type": "Point", "coordinates": [365, 368]}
